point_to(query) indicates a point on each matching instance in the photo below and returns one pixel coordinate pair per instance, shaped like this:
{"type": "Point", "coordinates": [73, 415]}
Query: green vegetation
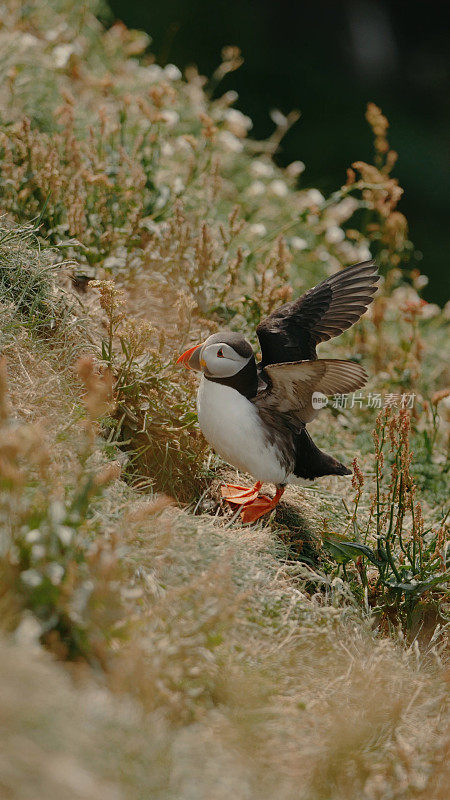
{"type": "Point", "coordinates": [151, 645]}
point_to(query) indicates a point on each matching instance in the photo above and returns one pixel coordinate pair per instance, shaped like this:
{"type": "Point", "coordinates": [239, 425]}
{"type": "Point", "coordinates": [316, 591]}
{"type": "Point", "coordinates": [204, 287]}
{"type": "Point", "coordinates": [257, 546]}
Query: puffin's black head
{"type": "Point", "coordinates": [226, 358]}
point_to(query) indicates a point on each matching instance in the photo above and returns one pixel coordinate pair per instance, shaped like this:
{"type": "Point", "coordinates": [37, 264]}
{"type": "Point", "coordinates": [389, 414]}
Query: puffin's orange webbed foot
{"type": "Point", "coordinates": [239, 495]}
{"type": "Point", "coordinates": [260, 506]}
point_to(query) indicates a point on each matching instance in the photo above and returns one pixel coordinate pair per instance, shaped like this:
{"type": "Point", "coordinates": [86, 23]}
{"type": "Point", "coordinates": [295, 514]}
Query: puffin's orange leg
{"type": "Point", "coordinates": [240, 495]}
{"type": "Point", "coordinates": [260, 506]}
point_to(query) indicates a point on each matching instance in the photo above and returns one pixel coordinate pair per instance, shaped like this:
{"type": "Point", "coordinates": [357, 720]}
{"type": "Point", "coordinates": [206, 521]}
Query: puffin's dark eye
{"type": "Point", "coordinates": [220, 353]}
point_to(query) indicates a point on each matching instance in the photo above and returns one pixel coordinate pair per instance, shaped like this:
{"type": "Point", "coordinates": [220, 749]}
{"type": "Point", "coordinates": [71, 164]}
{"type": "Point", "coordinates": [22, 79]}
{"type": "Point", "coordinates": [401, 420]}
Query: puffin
{"type": "Point", "coordinates": [254, 413]}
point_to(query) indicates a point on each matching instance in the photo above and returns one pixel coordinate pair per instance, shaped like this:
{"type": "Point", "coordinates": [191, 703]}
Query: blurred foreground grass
{"type": "Point", "coordinates": [150, 650]}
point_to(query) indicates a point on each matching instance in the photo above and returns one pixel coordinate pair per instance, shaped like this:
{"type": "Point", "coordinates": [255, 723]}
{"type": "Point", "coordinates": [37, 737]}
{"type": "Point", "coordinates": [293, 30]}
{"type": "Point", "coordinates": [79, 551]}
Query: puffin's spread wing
{"type": "Point", "coordinates": [292, 332]}
{"type": "Point", "coordinates": [291, 386]}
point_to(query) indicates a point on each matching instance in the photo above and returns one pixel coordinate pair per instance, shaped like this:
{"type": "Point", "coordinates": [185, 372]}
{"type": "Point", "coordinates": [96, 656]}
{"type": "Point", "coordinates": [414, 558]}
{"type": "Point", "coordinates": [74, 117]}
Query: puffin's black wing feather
{"type": "Point", "coordinates": [294, 330]}
{"type": "Point", "coordinates": [290, 386]}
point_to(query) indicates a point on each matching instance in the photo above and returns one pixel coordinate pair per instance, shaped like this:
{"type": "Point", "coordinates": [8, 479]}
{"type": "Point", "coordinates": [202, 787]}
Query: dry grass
{"type": "Point", "coordinates": [188, 656]}
{"type": "Point", "coordinates": [348, 715]}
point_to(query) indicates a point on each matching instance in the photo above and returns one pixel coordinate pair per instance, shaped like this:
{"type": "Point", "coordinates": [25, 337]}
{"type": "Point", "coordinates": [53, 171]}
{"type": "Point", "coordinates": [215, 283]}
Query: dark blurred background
{"type": "Point", "coordinates": [328, 59]}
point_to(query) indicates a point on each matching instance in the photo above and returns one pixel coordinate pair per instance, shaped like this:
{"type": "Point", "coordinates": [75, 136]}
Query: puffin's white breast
{"type": "Point", "coordinates": [232, 426]}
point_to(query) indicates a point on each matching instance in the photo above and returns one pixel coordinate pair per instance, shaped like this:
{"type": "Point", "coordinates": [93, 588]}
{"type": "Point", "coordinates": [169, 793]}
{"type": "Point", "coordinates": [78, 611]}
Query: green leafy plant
{"type": "Point", "coordinates": [52, 564]}
{"type": "Point", "coordinates": [408, 564]}
{"type": "Point", "coordinates": [153, 417]}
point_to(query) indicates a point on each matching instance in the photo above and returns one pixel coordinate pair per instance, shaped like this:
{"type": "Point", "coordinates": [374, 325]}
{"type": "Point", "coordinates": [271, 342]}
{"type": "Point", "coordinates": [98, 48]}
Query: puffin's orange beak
{"type": "Point", "coordinates": [186, 358]}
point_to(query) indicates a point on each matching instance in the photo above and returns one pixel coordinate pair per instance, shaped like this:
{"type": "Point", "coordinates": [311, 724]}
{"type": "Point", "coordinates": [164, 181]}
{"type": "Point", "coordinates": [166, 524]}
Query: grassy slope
{"type": "Point", "coordinates": [205, 657]}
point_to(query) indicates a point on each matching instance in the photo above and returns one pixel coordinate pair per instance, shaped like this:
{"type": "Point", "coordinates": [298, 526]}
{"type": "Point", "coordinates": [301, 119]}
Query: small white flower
{"type": "Point", "coordinates": [28, 631]}
{"type": "Point", "coordinates": [343, 210]}
{"type": "Point", "coordinates": [262, 169]}
{"type": "Point", "coordinates": [37, 552]}
{"type": "Point", "coordinates": [154, 72]}
{"type": "Point", "coordinates": [237, 122]}
{"type": "Point", "coordinates": [229, 97]}
{"type": "Point", "coordinates": [278, 188]}
{"type": "Point", "coordinates": [315, 197]}
{"type": "Point", "coordinates": [183, 145]}
{"type": "Point", "coordinates": [230, 142]}
{"type": "Point", "coordinates": [170, 117]}
{"type": "Point", "coordinates": [362, 252]}
{"type": "Point", "coordinates": [403, 295]}
{"type": "Point", "coordinates": [61, 54]}
{"type": "Point", "coordinates": [278, 118]}
{"type": "Point", "coordinates": [297, 243]}
{"type": "Point", "coordinates": [430, 310]}
{"type": "Point", "coordinates": [164, 194]}
{"type": "Point", "coordinates": [80, 598]}
{"type": "Point", "coordinates": [149, 224]}
{"type": "Point", "coordinates": [33, 536]}
{"type": "Point", "coordinates": [55, 572]}
{"type": "Point", "coordinates": [52, 34]}
{"type": "Point", "coordinates": [171, 72]}
{"type": "Point", "coordinates": [295, 169]}
{"type": "Point", "coordinates": [333, 234]}
{"type": "Point", "coordinates": [57, 511]}
{"type": "Point", "coordinates": [31, 578]}
{"type": "Point", "coordinates": [167, 149]}
{"type": "Point", "coordinates": [322, 253]}
{"type": "Point", "coordinates": [421, 281]}
{"type": "Point", "coordinates": [65, 534]}
{"type": "Point", "coordinates": [256, 189]}
{"type": "Point", "coordinates": [178, 185]}
{"type": "Point", "coordinates": [348, 252]}
{"type": "Point", "coordinates": [258, 229]}
{"type": "Point", "coordinates": [27, 40]}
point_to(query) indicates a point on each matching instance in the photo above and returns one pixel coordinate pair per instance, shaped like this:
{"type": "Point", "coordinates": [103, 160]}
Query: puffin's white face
{"type": "Point", "coordinates": [217, 358]}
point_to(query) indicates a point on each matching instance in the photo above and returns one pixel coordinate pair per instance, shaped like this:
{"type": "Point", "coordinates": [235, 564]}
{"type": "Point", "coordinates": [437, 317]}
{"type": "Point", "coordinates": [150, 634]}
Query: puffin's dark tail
{"type": "Point", "coordinates": [310, 462]}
